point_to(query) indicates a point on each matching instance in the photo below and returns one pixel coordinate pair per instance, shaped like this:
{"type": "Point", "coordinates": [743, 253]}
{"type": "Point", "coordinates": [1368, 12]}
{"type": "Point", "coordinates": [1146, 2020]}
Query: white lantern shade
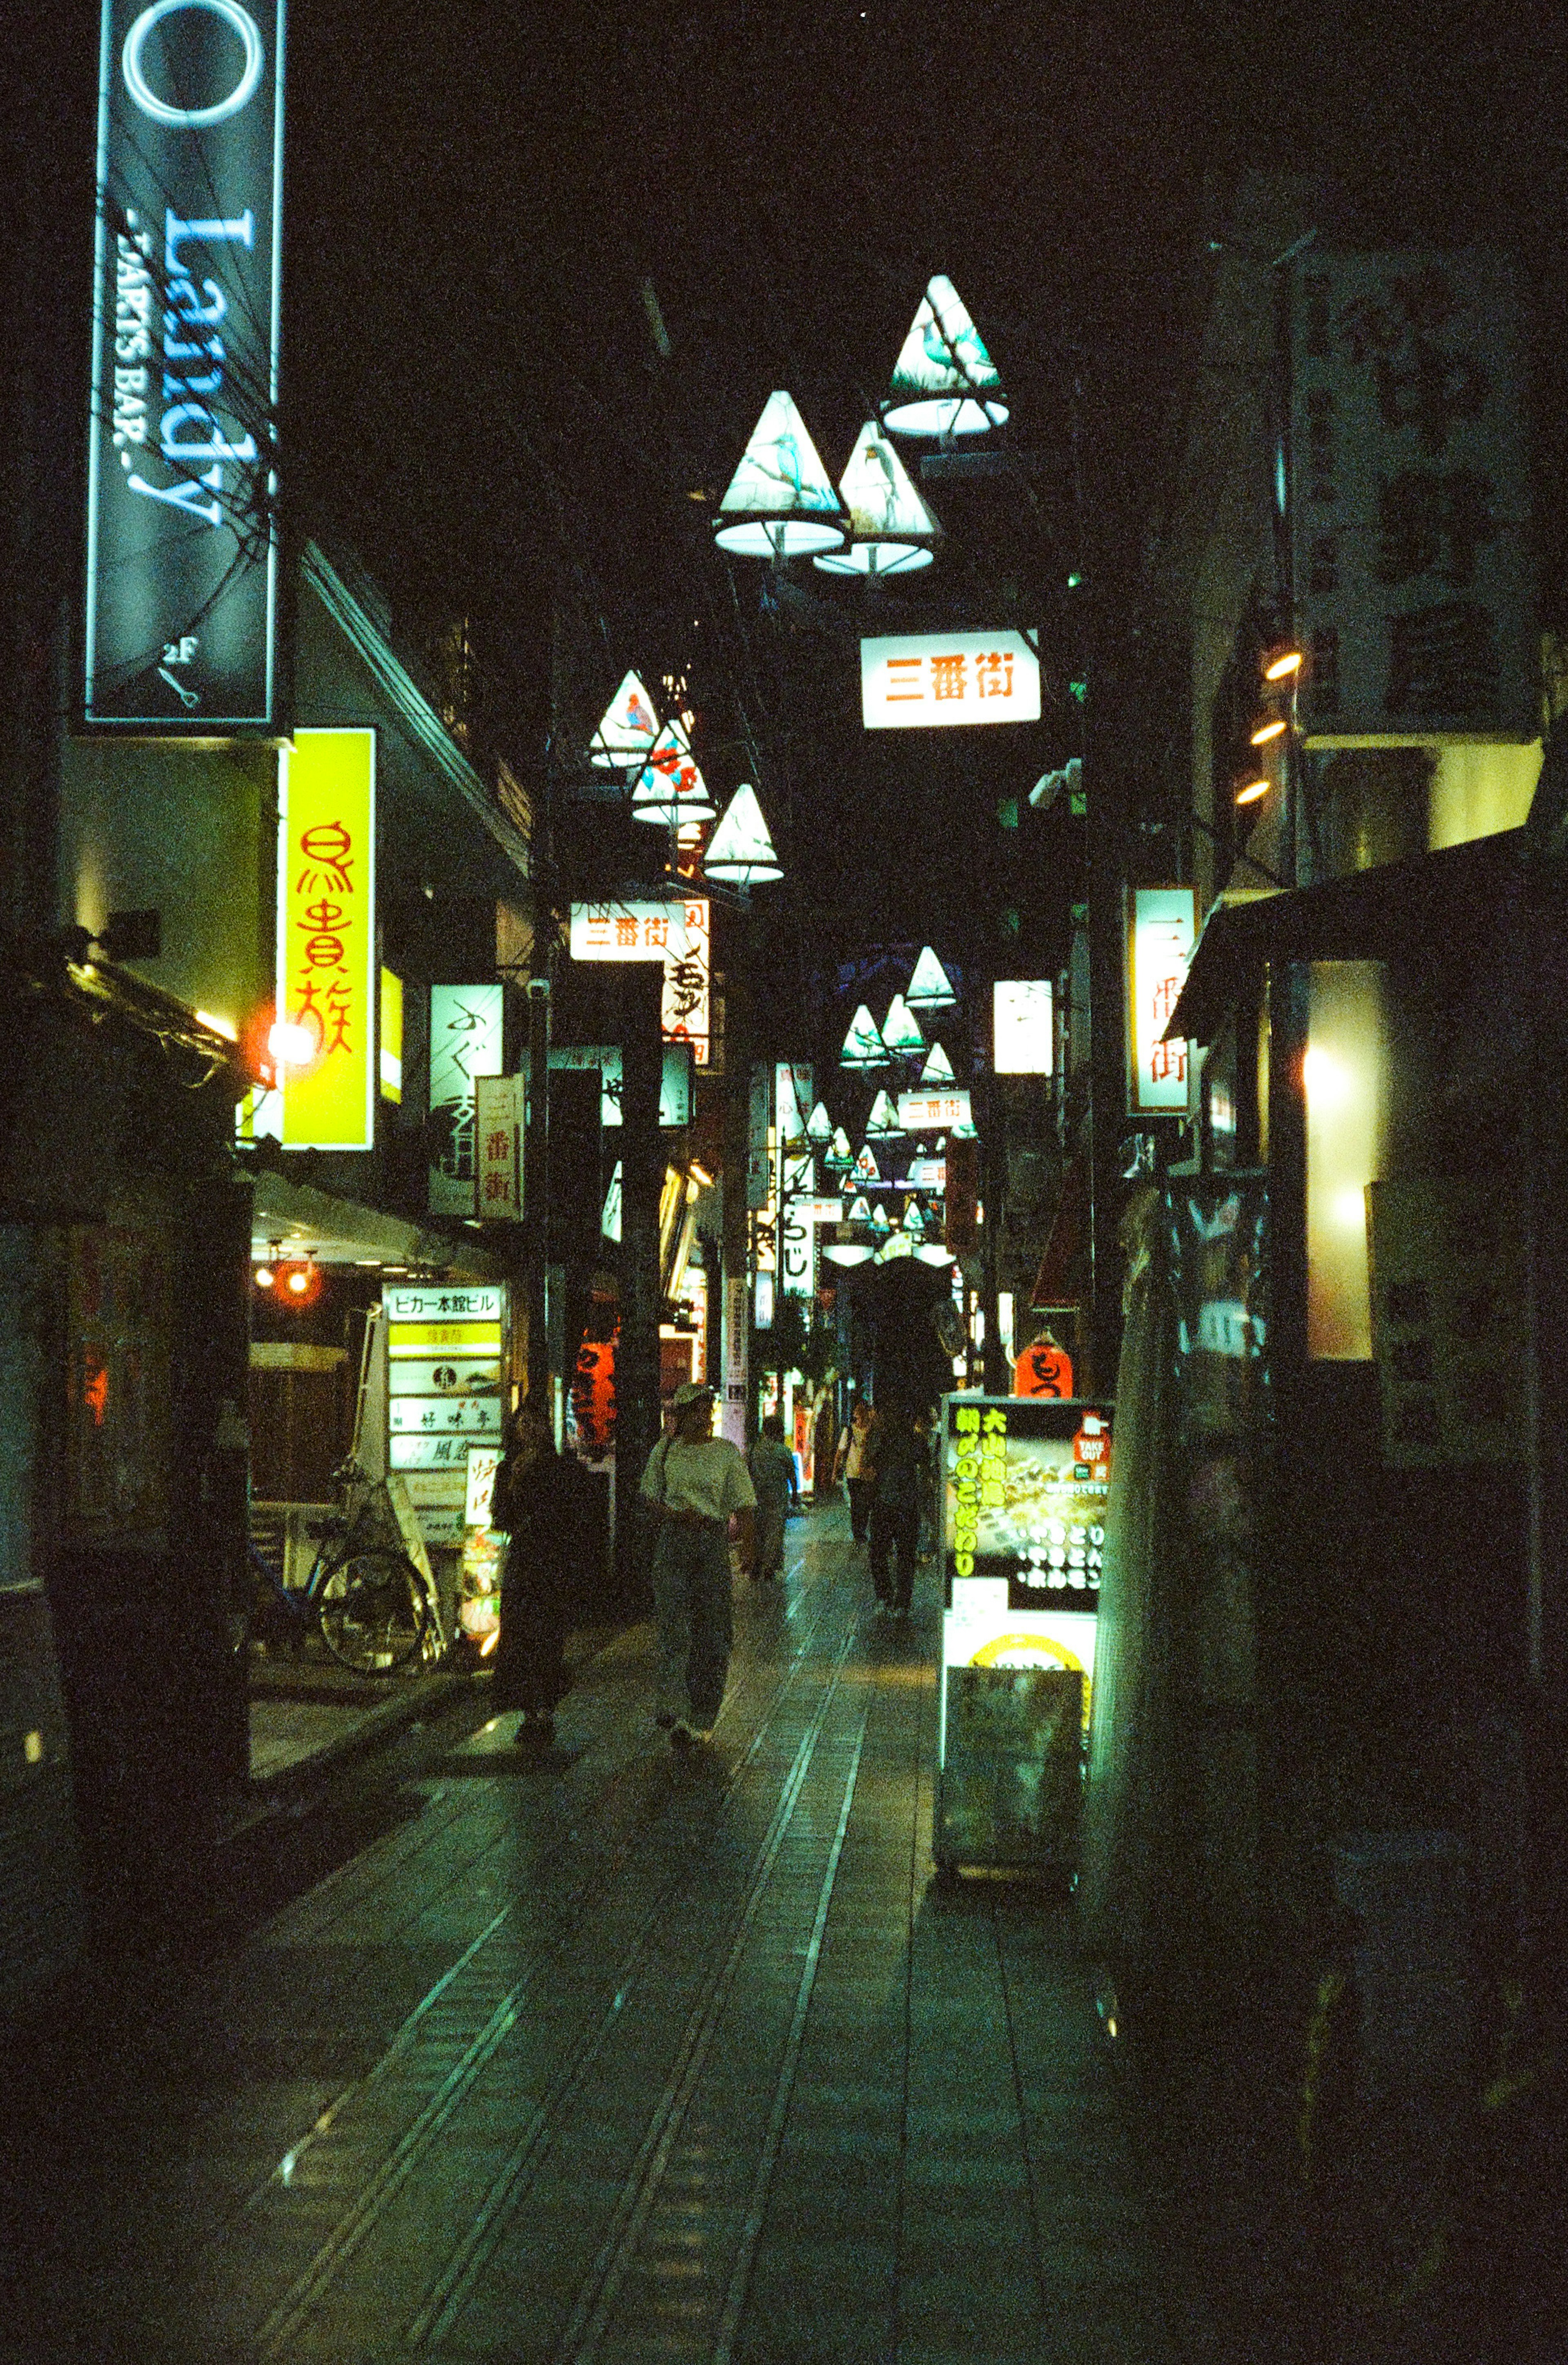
{"type": "Point", "coordinates": [819, 1124]}
{"type": "Point", "coordinates": [740, 852]}
{"type": "Point", "coordinates": [670, 788]}
{"type": "Point", "coordinates": [780, 503]}
{"type": "Point", "coordinates": [883, 1125]}
{"type": "Point", "coordinates": [890, 526]}
{"type": "Point", "coordinates": [944, 382]}
{"type": "Point", "coordinates": [860, 1211]}
{"type": "Point", "coordinates": [901, 1028]}
{"type": "Point", "coordinates": [938, 1068]}
{"type": "Point", "coordinates": [865, 1167]}
{"type": "Point", "coordinates": [840, 1155]}
{"type": "Point", "coordinates": [863, 1046]}
{"type": "Point", "coordinates": [879, 1219]}
{"type": "Point", "coordinates": [930, 988]}
{"type": "Point", "coordinates": [627, 729]}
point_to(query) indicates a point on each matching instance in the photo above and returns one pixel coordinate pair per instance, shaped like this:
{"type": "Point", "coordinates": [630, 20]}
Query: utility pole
{"type": "Point", "coordinates": [536, 1189]}
{"type": "Point", "coordinates": [641, 1175]}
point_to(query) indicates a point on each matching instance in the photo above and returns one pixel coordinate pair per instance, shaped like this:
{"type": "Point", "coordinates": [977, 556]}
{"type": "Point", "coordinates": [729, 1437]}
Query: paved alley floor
{"type": "Point", "coordinates": [635, 2057]}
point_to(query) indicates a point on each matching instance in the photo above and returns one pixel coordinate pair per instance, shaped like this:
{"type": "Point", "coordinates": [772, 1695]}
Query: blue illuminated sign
{"type": "Point", "coordinates": [182, 535]}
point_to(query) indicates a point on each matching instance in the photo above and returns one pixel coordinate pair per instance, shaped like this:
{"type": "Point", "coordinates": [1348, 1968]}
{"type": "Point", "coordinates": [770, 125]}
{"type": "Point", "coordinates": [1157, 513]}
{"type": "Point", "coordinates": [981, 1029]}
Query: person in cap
{"type": "Point", "coordinates": [693, 1483]}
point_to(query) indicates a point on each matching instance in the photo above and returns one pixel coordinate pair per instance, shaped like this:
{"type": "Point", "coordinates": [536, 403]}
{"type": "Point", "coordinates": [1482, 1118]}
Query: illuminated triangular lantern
{"type": "Point", "coordinates": [914, 1222]}
{"type": "Point", "coordinates": [860, 1211]}
{"type": "Point", "coordinates": [863, 1046]}
{"type": "Point", "coordinates": [891, 527]}
{"type": "Point", "coordinates": [740, 852]}
{"type": "Point", "coordinates": [669, 787]}
{"type": "Point", "coordinates": [901, 1027]}
{"type": "Point", "coordinates": [841, 1157]}
{"type": "Point", "coordinates": [880, 1219]}
{"type": "Point", "coordinates": [929, 988]}
{"type": "Point", "coordinates": [938, 1068]}
{"type": "Point", "coordinates": [780, 497]}
{"type": "Point", "coordinates": [883, 1125]}
{"type": "Point", "coordinates": [944, 382]}
{"type": "Point", "coordinates": [627, 729]}
{"type": "Point", "coordinates": [865, 1167]}
{"type": "Point", "coordinates": [819, 1124]}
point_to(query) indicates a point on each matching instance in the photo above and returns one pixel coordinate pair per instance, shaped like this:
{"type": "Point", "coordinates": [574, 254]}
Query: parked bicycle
{"type": "Point", "coordinates": [370, 1603]}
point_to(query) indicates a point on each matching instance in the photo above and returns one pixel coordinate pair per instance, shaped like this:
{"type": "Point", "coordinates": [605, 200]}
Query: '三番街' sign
{"type": "Point", "coordinates": [927, 680]}
{"type": "Point", "coordinates": [182, 549]}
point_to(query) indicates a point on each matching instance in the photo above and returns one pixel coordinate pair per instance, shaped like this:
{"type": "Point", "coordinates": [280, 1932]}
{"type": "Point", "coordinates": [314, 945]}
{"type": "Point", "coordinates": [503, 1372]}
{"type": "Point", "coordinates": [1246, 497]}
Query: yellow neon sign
{"type": "Point", "coordinates": [327, 974]}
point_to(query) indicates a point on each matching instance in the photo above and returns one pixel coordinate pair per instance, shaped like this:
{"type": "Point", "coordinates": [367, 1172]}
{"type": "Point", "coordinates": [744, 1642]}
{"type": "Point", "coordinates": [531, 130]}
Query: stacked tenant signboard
{"type": "Point", "coordinates": [180, 634]}
{"type": "Point", "coordinates": [443, 1387]}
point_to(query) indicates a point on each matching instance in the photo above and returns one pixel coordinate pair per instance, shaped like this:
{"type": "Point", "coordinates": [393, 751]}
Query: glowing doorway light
{"type": "Point", "coordinates": [930, 988]}
{"type": "Point", "coordinates": [938, 1068]}
{"type": "Point", "coordinates": [890, 528]}
{"type": "Point", "coordinates": [740, 852]}
{"type": "Point", "coordinates": [943, 382]}
{"type": "Point", "coordinates": [863, 1046]}
{"type": "Point", "coordinates": [780, 498]}
{"type": "Point", "coordinates": [627, 729]}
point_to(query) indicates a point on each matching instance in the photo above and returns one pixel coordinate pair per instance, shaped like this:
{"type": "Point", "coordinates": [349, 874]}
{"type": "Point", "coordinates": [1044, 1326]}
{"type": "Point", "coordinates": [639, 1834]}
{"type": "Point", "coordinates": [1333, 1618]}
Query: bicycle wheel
{"type": "Point", "coordinates": [373, 1610]}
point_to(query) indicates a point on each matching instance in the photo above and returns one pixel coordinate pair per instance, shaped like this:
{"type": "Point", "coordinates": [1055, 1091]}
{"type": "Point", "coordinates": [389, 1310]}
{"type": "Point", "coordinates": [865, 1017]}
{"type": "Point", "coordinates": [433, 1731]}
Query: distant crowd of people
{"type": "Point", "coordinates": [694, 1485]}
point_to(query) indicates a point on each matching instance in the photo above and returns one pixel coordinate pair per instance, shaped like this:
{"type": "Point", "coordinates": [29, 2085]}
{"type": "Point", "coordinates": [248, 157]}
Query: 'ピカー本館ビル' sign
{"type": "Point", "coordinates": [182, 546]}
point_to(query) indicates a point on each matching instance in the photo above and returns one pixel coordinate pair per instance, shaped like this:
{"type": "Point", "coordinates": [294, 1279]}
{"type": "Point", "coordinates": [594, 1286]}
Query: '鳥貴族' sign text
{"type": "Point", "coordinates": [327, 970]}
{"type": "Point", "coordinates": [929, 680]}
{"type": "Point", "coordinates": [181, 544]}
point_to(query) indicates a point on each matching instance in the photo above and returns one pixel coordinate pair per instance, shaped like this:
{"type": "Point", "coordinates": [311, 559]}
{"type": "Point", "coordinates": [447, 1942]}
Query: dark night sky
{"type": "Point", "coordinates": [477, 193]}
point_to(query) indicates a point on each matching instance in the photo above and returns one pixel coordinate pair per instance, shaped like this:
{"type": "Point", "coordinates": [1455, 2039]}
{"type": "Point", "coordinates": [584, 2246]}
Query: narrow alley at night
{"type": "Point", "coordinates": [784, 1185]}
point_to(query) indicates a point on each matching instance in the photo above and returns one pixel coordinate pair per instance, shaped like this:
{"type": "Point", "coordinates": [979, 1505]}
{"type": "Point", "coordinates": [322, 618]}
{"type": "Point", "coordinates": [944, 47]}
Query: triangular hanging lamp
{"type": "Point", "coordinates": [627, 729]}
{"type": "Point", "coordinates": [938, 1068]}
{"type": "Point", "coordinates": [883, 1125]}
{"type": "Point", "coordinates": [740, 852]}
{"type": "Point", "coordinates": [841, 1158]}
{"type": "Point", "coordinates": [913, 1221]}
{"type": "Point", "coordinates": [879, 1219]}
{"type": "Point", "coordinates": [669, 787]}
{"type": "Point", "coordinates": [780, 498]}
{"type": "Point", "coordinates": [901, 1027]}
{"type": "Point", "coordinates": [819, 1124]}
{"type": "Point", "coordinates": [863, 1046]}
{"type": "Point", "coordinates": [860, 1211]}
{"type": "Point", "coordinates": [929, 988]}
{"type": "Point", "coordinates": [890, 528]}
{"type": "Point", "coordinates": [943, 382]}
{"type": "Point", "coordinates": [865, 1167]}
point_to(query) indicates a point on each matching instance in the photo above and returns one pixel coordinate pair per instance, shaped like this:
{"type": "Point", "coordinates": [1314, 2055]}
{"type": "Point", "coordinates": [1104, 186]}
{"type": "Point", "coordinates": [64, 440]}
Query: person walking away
{"type": "Point", "coordinates": [895, 1512]}
{"type": "Point", "coordinates": [693, 1482]}
{"type": "Point", "coordinates": [856, 1464]}
{"type": "Point", "coordinates": [772, 1468]}
{"type": "Point", "coordinates": [535, 1504]}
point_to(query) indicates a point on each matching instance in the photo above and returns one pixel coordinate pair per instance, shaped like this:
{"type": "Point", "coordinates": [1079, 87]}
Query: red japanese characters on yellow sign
{"type": "Point", "coordinates": [325, 951]}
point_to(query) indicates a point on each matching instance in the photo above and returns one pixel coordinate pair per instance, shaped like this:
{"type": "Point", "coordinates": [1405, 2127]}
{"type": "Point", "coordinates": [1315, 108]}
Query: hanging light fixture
{"type": "Point", "coordinates": [890, 528]}
{"type": "Point", "coordinates": [943, 383]}
{"type": "Point", "coordinates": [840, 1157]}
{"type": "Point", "coordinates": [930, 987]}
{"type": "Point", "coordinates": [863, 1046]}
{"type": "Point", "coordinates": [670, 788]}
{"type": "Point", "coordinates": [848, 1253]}
{"type": "Point", "coordinates": [883, 1125]}
{"type": "Point", "coordinates": [860, 1210]}
{"type": "Point", "coordinates": [781, 501]}
{"type": "Point", "coordinates": [627, 729]}
{"type": "Point", "coordinates": [865, 1168]}
{"type": "Point", "coordinates": [938, 1068]}
{"type": "Point", "coordinates": [880, 1219]}
{"type": "Point", "coordinates": [740, 852]}
{"type": "Point", "coordinates": [901, 1028]}
{"type": "Point", "coordinates": [819, 1124]}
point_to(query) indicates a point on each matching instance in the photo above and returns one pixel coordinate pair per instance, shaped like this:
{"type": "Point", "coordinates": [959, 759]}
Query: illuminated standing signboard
{"type": "Point", "coordinates": [1164, 922]}
{"type": "Point", "coordinates": [928, 680]}
{"type": "Point", "coordinates": [181, 546]}
{"type": "Point", "coordinates": [327, 978]}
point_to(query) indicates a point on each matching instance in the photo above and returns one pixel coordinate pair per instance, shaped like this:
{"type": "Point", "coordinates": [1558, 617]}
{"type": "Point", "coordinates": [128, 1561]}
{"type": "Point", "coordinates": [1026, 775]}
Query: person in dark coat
{"type": "Point", "coordinates": [536, 1503]}
{"type": "Point", "coordinates": [896, 1505]}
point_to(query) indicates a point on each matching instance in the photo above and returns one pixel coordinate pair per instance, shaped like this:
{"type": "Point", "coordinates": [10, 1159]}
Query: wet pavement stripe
{"type": "Point", "coordinates": [292, 2311]}
{"type": "Point", "coordinates": [444, 2302]}
{"type": "Point", "coordinates": [590, 2318]}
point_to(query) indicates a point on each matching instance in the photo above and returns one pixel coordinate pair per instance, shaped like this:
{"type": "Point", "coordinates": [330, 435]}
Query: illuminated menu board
{"type": "Point", "coordinates": [444, 1352]}
{"type": "Point", "coordinates": [1027, 1481]}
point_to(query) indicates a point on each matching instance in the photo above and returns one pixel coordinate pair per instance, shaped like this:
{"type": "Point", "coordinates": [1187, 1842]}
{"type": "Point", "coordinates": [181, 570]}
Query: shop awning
{"type": "Point", "coordinates": [1442, 906]}
{"type": "Point", "coordinates": [339, 1231]}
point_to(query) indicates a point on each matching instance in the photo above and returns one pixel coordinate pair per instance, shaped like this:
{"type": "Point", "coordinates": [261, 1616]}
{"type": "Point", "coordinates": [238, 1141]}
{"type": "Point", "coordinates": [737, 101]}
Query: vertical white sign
{"type": "Point", "coordinates": [1164, 925]}
{"type": "Point", "coordinates": [465, 1042]}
